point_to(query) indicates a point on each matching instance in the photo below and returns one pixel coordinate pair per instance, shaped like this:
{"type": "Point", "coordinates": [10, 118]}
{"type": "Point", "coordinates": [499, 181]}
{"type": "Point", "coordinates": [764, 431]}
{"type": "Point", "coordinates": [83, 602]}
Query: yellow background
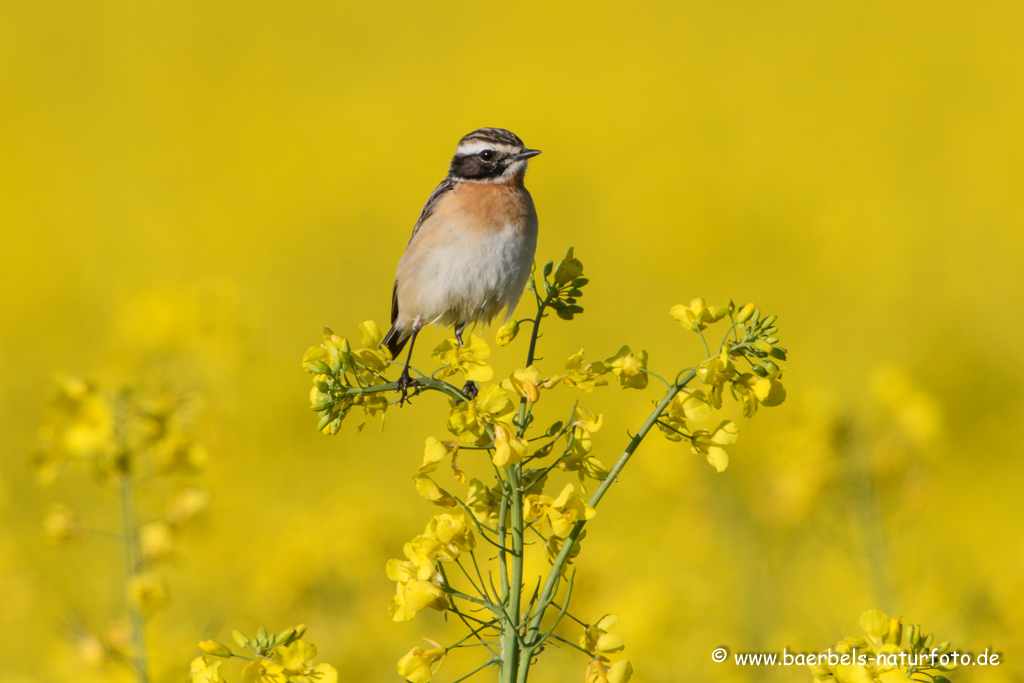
{"type": "Point", "coordinates": [192, 189]}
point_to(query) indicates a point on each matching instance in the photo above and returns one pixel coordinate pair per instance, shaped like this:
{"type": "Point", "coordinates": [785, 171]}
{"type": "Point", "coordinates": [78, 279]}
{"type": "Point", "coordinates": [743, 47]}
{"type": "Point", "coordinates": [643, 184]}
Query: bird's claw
{"type": "Point", "coordinates": [470, 390]}
{"type": "Point", "coordinates": [405, 382]}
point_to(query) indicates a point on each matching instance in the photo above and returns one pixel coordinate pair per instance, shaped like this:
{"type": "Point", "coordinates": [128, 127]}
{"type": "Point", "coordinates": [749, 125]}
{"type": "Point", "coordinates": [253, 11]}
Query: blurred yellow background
{"type": "Point", "coordinates": [191, 190]}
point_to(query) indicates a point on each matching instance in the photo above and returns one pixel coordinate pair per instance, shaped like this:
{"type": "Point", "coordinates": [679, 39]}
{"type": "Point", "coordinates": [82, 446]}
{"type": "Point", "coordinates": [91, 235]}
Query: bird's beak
{"type": "Point", "coordinates": [527, 153]}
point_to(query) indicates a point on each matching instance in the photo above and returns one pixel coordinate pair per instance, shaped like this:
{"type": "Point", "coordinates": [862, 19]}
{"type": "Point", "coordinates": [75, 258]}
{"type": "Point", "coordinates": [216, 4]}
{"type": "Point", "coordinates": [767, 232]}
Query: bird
{"type": "Point", "coordinates": [471, 251]}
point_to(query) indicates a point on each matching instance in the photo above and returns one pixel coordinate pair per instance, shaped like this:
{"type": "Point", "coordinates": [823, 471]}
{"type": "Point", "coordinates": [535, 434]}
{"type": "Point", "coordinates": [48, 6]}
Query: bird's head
{"type": "Point", "coordinates": [490, 155]}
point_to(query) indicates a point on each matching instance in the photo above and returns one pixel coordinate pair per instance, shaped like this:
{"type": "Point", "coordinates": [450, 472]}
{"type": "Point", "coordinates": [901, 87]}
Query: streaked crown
{"type": "Point", "coordinates": [490, 155]}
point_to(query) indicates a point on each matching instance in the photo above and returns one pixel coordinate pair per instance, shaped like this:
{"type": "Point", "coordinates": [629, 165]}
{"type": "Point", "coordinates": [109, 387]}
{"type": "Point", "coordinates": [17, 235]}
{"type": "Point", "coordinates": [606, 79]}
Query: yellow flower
{"type": "Point", "coordinates": [264, 671]}
{"type": "Point", "coordinates": [554, 546]}
{"type": "Point", "coordinates": [694, 404]}
{"type": "Point", "coordinates": [317, 360]}
{"type": "Point", "coordinates": [596, 638]}
{"type": "Point", "coordinates": [716, 372]}
{"type": "Point", "coordinates": [372, 404]}
{"type": "Point", "coordinates": [583, 375]}
{"type": "Point", "coordinates": [629, 368]}
{"type": "Point", "coordinates": [483, 501]}
{"type": "Point", "coordinates": [90, 649]}
{"type": "Point", "coordinates": [372, 359]}
{"type": "Point", "coordinates": [296, 659]}
{"type": "Point", "coordinates": [429, 489]}
{"type": "Point", "coordinates": [185, 504]}
{"type": "Point", "coordinates": [147, 592]}
{"type": "Point", "coordinates": [413, 596]}
{"type": "Point", "coordinates": [906, 649]}
{"type": "Point", "coordinates": [117, 639]}
{"type": "Point", "coordinates": [467, 359]}
{"type": "Point", "coordinates": [568, 269]}
{"type": "Point", "coordinates": [418, 665]}
{"type": "Point", "coordinates": [709, 444]}
{"type": "Point", "coordinates": [769, 391]}
{"type": "Point", "coordinates": [698, 315]}
{"type": "Point", "coordinates": [418, 582]}
{"type": "Point", "coordinates": [81, 425]}
{"type": "Point", "coordinates": [599, 671]}
{"type": "Point", "coordinates": [156, 541]}
{"type": "Point", "coordinates": [370, 335]}
{"type": "Point", "coordinates": [177, 452]}
{"type": "Point", "coordinates": [418, 565]}
{"type": "Point", "coordinates": [589, 421]}
{"type": "Point", "coordinates": [875, 623]}
{"type": "Point", "coordinates": [561, 513]}
{"type": "Point", "coordinates": [434, 451]}
{"type": "Point", "coordinates": [202, 671]}
{"type": "Point", "coordinates": [452, 533]}
{"type": "Point", "coordinates": [686, 405]}
{"type": "Point", "coordinates": [508, 449]}
{"type": "Point", "coordinates": [372, 356]}
{"type": "Point", "coordinates": [525, 382]}
{"type": "Point", "coordinates": [577, 456]}
{"type": "Point", "coordinates": [469, 419]}
{"type": "Point", "coordinates": [321, 673]}
{"type": "Point", "coordinates": [62, 524]}
{"type": "Point", "coordinates": [672, 422]}
{"type": "Point", "coordinates": [752, 391]}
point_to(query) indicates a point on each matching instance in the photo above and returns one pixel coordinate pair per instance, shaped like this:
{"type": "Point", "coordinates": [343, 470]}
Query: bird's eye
{"type": "Point", "coordinates": [487, 154]}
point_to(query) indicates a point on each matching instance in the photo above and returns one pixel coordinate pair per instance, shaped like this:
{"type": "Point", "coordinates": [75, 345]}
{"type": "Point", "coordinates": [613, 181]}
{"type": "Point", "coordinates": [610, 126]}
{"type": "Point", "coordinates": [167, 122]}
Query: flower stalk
{"type": "Point", "coordinates": [499, 424]}
{"type": "Point", "coordinates": [130, 536]}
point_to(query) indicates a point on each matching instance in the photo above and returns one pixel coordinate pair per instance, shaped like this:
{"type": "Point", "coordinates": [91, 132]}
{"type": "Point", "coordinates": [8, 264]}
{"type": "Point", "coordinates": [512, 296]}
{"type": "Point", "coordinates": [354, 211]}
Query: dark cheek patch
{"type": "Point", "coordinates": [473, 167]}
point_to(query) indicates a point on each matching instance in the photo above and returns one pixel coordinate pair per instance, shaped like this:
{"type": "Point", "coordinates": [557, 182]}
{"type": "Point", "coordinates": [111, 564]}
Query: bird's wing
{"type": "Point", "coordinates": [394, 303]}
{"type": "Point", "coordinates": [446, 186]}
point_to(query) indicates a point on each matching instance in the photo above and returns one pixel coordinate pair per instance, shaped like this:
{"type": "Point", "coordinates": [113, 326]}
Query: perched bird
{"type": "Point", "coordinates": [472, 249]}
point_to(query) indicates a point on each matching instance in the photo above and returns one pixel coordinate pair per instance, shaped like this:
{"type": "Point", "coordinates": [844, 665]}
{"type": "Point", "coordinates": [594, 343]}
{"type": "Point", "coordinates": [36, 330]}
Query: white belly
{"type": "Point", "coordinates": [464, 277]}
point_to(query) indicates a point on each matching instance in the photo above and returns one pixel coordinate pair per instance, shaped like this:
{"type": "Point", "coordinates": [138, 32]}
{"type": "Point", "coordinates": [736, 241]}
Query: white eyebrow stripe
{"type": "Point", "coordinates": [476, 146]}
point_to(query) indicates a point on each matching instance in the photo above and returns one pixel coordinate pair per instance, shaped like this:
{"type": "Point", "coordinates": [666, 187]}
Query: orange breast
{"type": "Point", "coordinates": [492, 206]}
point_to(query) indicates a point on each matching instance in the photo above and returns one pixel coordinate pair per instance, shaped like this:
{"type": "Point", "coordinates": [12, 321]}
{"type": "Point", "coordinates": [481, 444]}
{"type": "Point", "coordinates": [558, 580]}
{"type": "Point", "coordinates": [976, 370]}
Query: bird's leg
{"type": "Point", "coordinates": [404, 380]}
{"type": "Point", "coordinates": [469, 388]}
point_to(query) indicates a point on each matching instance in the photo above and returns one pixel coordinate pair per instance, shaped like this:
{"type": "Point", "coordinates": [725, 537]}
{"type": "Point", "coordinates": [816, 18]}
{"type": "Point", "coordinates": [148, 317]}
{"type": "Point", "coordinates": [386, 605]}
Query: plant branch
{"type": "Point", "coordinates": [547, 593]}
{"type": "Point", "coordinates": [131, 560]}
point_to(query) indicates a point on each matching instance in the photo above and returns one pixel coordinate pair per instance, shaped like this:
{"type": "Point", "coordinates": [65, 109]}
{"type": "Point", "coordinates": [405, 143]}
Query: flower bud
{"type": "Point", "coordinates": [745, 313]}
{"type": "Point", "coordinates": [507, 333]}
{"type": "Point", "coordinates": [212, 647]}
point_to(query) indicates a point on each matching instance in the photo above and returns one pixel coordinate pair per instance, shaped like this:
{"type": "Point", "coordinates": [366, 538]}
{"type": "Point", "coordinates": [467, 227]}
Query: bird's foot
{"type": "Point", "coordinates": [405, 382]}
{"type": "Point", "coordinates": [470, 390]}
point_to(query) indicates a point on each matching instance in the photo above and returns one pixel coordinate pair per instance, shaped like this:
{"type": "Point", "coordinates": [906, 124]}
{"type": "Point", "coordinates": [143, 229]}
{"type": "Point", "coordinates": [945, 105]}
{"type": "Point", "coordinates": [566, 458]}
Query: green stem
{"type": "Point", "coordinates": [514, 594]}
{"type": "Point", "coordinates": [131, 555]}
{"type": "Point", "coordinates": [502, 534]}
{"type": "Point", "coordinates": [425, 382]}
{"type": "Point", "coordinates": [535, 333]}
{"type": "Point", "coordinates": [512, 502]}
{"type": "Point", "coordinates": [550, 585]}
{"type": "Point", "coordinates": [509, 646]}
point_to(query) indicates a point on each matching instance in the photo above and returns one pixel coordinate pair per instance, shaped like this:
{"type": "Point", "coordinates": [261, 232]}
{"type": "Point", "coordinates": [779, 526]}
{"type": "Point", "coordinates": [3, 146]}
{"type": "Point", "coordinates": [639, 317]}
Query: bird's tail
{"type": "Point", "coordinates": [395, 341]}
